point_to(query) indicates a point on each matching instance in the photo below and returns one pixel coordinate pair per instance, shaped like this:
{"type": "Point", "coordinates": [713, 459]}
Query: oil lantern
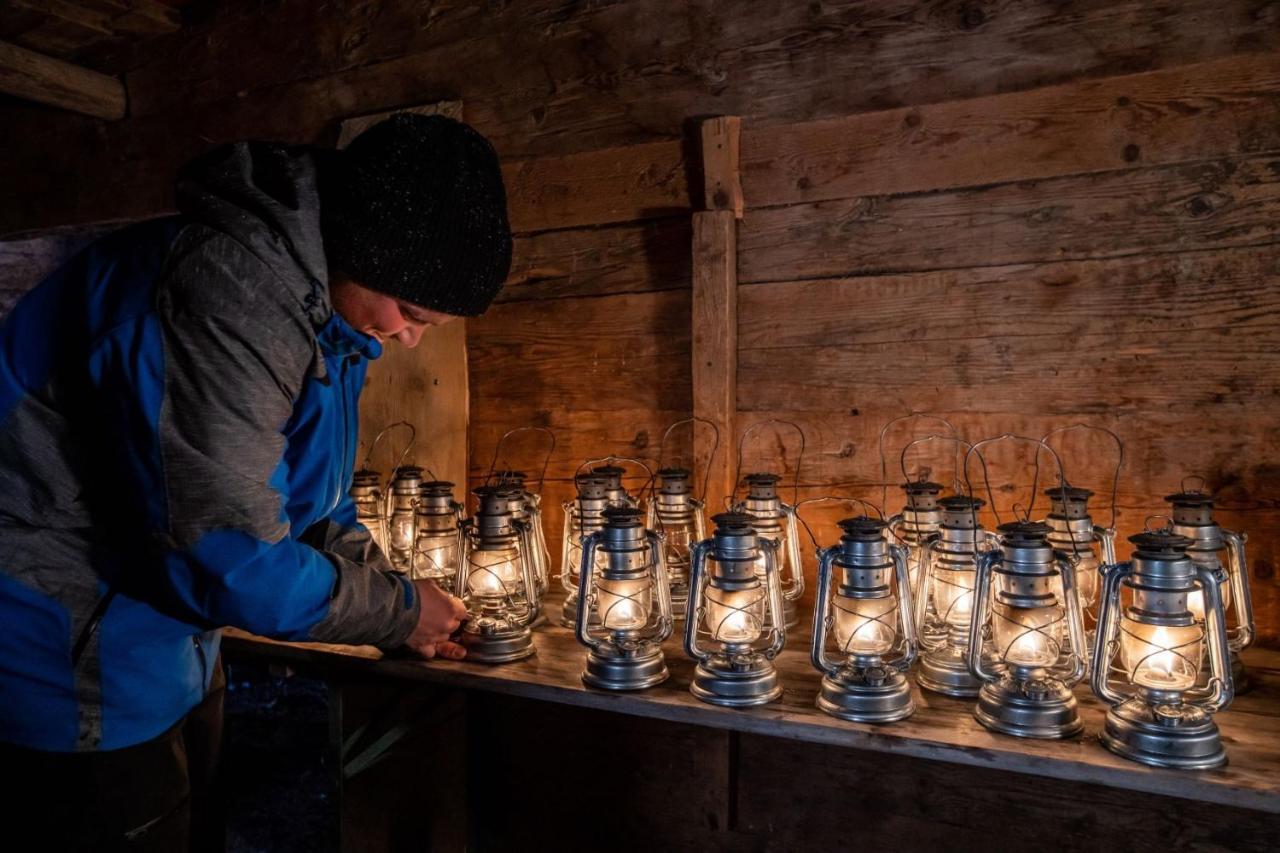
{"type": "Point", "coordinates": [402, 500]}
{"type": "Point", "coordinates": [438, 543]}
{"type": "Point", "coordinates": [1192, 512]}
{"type": "Point", "coordinates": [1026, 605]}
{"type": "Point", "coordinates": [677, 515]}
{"type": "Point", "coordinates": [496, 581]}
{"type": "Point", "coordinates": [776, 521]}
{"type": "Point", "coordinates": [733, 620]}
{"type": "Point", "coordinates": [366, 494]}
{"type": "Point", "coordinates": [870, 619]}
{"type": "Point", "coordinates": [623, 582]}
{"type": "Point", "coordinates": [948, 574]}
{"type": "Point", "coordinates": [1074, 535]}
{"type": "Point", "coordinates": [1158, 715]}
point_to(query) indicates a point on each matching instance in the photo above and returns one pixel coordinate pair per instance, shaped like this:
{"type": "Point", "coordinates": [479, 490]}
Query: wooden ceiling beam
{"type": "Point", "coordinates": [40, 78]}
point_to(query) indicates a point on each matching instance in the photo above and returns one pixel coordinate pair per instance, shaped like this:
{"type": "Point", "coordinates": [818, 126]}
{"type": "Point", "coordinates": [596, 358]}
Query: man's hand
{"type": "Point", "coordinates": [439, 616]}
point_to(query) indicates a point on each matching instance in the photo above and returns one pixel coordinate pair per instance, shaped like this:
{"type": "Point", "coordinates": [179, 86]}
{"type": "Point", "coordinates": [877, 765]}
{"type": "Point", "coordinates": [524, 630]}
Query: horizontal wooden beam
{"type": "Point", "coordinates": [37, 77]}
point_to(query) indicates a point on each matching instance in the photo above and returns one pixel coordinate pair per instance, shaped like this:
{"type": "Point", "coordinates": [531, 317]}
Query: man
{"type": "Point", "coordinates": [178, 413]}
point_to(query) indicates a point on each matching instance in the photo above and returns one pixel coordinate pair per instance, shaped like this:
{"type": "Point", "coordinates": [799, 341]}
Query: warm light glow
{"type": "Point", "coordinates": [435, 557]}
{"type": "Point", "coordinates": [865, 626]}
{"type": "Point", "coordinates": [1028, 636]}
{"type": "Point", "coordinates": [402, 531]}
{"type": "Point", "coordinates": [493, 574]}
{"type": "Point", "coordinates": [623, 604]}
{"type": "Point", "coordinates": [735, 616]}
{"type": "Point", "coordinates": [1159, 656]}
{"type": "Point", "coordinates": [953, 596]}
{"type": "Point", "coordinates": [1195, 600]}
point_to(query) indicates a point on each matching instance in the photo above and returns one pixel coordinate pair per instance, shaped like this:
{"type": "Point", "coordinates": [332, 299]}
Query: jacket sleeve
{"type": "Point", "coordinates": [234, 358]}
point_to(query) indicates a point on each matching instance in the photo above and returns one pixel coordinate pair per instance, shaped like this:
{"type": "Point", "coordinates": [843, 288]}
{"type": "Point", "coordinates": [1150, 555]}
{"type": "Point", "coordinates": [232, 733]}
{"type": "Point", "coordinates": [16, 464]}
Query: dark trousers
{"type": "Point", "coordinates": [161, 795]}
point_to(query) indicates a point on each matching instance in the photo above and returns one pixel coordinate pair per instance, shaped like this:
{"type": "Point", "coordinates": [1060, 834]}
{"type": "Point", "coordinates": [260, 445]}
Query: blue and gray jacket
{"type": "Point", "coordinates": [177, 436]}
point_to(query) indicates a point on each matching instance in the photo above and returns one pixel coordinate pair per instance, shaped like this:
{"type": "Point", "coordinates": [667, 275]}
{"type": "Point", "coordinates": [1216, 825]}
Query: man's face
{"type": "Point", "coordinates": [380, 316]}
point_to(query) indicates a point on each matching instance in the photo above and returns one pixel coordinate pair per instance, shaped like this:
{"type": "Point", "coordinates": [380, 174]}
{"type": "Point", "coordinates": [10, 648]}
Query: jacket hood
{"type": "Point", "coordinates": [266, 197]}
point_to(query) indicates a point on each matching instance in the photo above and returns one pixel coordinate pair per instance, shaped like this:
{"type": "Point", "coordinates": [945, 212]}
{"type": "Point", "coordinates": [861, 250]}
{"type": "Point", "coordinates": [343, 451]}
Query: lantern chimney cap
{"type": "Point", "coordinates": [675, 473]}
{"type": "Point", "coordinates": [763, 478]}
{"type": "Point", "coordinates": [922, 487]}
{"type": "Point", "coordinates": [863, 527]}
{"type": "Point", "coordinates": [1191, 499]}
{"type": "Point", "coordinates": [365, 477]}
{"type": "Point", "coordinates": [1024, 530]}
{"type": "Point", "coordinates": [1161, 543]}
{"type": "Point", "coordinates": [592, 487]}
{"type": "Point", "coordinates": [622, 516]}
{"type": "Point", "coordinates": [733, 523]}
{"type": "Point", "coordinates": [1068, 493]}
{"type": "Point", "coordinates": [962, 503]}
{"type": "Point", "coordinates": [407, 471]}
{"type": "Point", "coordinates": [436, 487]}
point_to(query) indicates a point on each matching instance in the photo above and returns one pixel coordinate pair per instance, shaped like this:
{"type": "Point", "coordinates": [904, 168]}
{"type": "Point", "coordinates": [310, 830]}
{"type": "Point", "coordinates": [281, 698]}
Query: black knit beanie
{"type": "Point", "coordinates": [415, 208]}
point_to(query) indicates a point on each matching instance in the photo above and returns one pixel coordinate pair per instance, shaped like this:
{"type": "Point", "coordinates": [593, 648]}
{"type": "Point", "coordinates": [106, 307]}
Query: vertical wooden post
{"type": "Point", "coordinates": [715, 302]}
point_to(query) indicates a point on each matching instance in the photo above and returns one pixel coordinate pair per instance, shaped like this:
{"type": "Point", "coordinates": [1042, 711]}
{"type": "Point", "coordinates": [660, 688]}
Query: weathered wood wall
{"type": "Point", "coordinates": [1017, 214]}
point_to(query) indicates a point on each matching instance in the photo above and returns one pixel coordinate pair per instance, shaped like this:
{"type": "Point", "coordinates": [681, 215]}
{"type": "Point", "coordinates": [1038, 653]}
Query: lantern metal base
{"type": "Point", "coordinates": [1040, 709]}
{"type": "Point", "coordinates": [608, 672]}
{"type": "Point", "coordinates": [1183, 737]}
{"type": "Point", "coordinates": [569, 612]}
{"type": "Point", "coordinates": [717, 682]}
{"type": "Point", "coordinates": [492, 643]}
{"type": "Point", "coordinates": [946, 671]}
{"type": "Point", "coordinates": [861, 699]}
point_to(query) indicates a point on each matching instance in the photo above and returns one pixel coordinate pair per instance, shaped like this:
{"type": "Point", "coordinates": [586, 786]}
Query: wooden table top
{"type": "Point", "coordinates": [942, 728]}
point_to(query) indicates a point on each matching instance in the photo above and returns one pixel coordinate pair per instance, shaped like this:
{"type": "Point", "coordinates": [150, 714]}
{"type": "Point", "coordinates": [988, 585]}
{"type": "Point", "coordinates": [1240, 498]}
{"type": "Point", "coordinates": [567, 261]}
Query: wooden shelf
{"type": "Point", "coordinates": [942, 728]}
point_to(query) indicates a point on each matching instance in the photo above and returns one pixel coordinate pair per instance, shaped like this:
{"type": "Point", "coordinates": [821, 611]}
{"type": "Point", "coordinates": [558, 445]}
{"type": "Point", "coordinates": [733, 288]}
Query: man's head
{"type": "Point", "coordinates": [414, 214]}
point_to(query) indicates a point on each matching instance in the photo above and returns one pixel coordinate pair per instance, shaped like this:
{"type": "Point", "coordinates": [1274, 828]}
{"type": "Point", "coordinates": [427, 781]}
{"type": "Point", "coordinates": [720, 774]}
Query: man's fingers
{"type": "Point", "coordinates": [459, 609]}
{"type": "Point", "coordinates": [451, 651]}
{"type": "Point", "coordinates": [427, 650]}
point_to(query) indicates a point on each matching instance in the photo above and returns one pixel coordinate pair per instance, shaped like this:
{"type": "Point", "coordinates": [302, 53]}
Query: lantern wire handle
{"type": "Point", "coordinates": [1182, 484]}
{"type": "Point", "coordinates": [648, 483]}
{"type": "Point", "coordinates": [884, 463]}
{"type": "Point", "coordinates": [1115, 478]}
{"type": "Point", "coordinates": [824, 498]}
{"type": "Point", "coordinates": [715, 447]}
{"type": "Point", "coordinates": [1008, 436]}
{"type": "Point", "coordinates": [1146, 523]}
{"type": "Point", "coordinates": [742, 440]}
{"type": "Point", "coordinates": [413, 436]}
{"type": "Point", "coordinates": [546, 460]}
{"type": "Point", "coordinates": [959, 442]}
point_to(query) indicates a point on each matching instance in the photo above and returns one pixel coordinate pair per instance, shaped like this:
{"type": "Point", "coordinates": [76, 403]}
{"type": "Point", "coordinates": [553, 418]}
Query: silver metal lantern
{"type": "Point", "coordinates": [438, 535]}
{"type": "Point", "coordinates": [582, 516]}
{"type": "Point", "coordinates": [733, 622]}
{"type": "Point", "coordinates": [1026, 605]}
{"type": "Point", "coordinates": [1074, 535]}
{"type": "Point", "coordinates": [366, 494]}
{"type": "Point", "coordinates": [597, 489]}
{"type": "Point", "coordinates": [677, 515]}
{"type": "Point", "coordinates": [1192, 511]}
{"type": "Point", "coordinates": [870, 619]}
{"type": "Point", "coordinates": [402, 507]}
{"type": "Point", "coordinates": [497, 581]}
{"type": "Point", "coordinates": [948, 576]}
{"type": "Point", "coordinates": [623, 582]}
{"type": "Point", "coordinates": [1158, 715]}
{"type": "Point", "coordinates": [776, 521]}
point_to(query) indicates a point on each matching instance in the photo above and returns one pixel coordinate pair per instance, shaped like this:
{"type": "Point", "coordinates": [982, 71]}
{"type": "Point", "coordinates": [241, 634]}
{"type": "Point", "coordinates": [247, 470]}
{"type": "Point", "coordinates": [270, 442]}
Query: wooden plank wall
{"type": "Point", "coordinates": [1020, 215]}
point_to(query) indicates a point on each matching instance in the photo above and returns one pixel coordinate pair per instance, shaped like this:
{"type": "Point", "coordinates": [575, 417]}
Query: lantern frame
{"type": "Point", "coordinates": [734, 674]}
{"type": "Point", "coordinates": [1027, 700]}
{"type": "Point", "coordinates": [498, 629]}
{"type": "Point", "coordinates": [624, 659]}
{"type": "Point", "coordinates": [1163, 728]}
{"type": "Point", "coordinates": [865, 687]}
